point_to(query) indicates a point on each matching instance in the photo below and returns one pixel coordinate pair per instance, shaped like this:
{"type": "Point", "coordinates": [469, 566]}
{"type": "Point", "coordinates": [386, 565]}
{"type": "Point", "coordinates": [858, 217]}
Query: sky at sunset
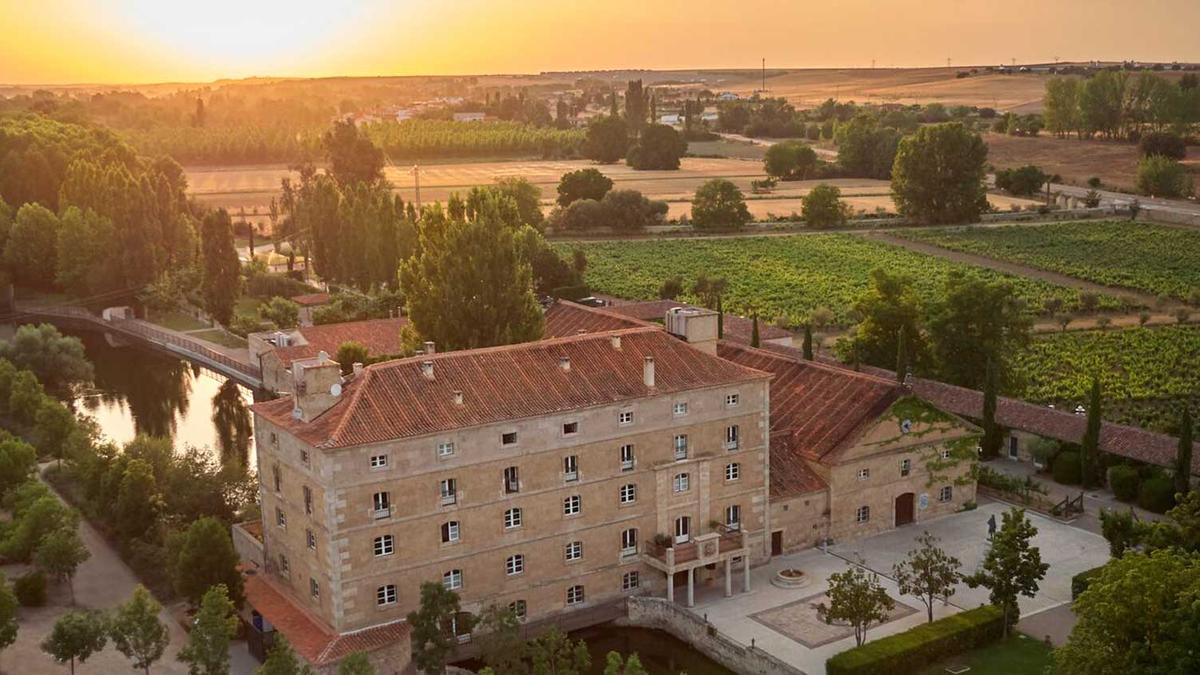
{"type": "Point", "coordinates": [143, 41]}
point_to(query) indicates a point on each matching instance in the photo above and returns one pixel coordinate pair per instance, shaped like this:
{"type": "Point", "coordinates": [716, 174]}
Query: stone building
{"type": "Point", "coordinates": [277, 351]}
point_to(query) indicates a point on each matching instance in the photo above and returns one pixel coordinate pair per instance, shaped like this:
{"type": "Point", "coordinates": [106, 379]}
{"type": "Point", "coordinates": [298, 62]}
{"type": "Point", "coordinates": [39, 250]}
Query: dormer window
{"type": "Point", "coordinates": [570, 428]}
{"type": "Point", "coordinates": [680, 408]}
{"type": "Point", "coordinates": [508, 438]}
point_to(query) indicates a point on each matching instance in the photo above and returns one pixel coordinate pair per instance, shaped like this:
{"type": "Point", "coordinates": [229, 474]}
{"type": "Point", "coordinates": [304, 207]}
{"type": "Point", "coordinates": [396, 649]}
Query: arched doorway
{"type": "Point", "coordinates": [905, 509]}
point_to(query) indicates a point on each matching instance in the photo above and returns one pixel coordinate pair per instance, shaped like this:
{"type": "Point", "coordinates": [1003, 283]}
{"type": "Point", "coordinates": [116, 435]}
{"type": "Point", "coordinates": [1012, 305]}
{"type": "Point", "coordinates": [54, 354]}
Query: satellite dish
{"type": "Point", "coordinates": [905, 426]}
{"type": "Point", "coordinates": [336, 389]}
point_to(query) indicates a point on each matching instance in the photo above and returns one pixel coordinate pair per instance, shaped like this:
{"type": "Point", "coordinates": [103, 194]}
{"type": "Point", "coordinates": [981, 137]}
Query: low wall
{"type": "Point", "coordinates": [658, 613]}
{"type": "Point", "coordinates": [249, 548]}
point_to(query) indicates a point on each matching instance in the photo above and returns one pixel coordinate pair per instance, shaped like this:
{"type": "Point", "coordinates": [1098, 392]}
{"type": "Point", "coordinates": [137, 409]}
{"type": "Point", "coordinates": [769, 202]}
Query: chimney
{"type": "Point", "coordinates": [648, 371]}
{"type": "Point", "coordinates": [427, 369]}
{"type": "Point", "coordinates": [564, 362]}
{"type": "Point", "coordinates": [616, 342]}
{"type": "Point", "coordinates": [316, 386]}
{"type": "Point", "coordinates": [581, 331]}
{"type": "Point", "coordinates": [430, 347]}
{"type": "Point", "coordinates": [322, 357]}
{"type": "Point", "coordinates": [458, 397]}
{"type": "Point", "coordinates": [358, 367]}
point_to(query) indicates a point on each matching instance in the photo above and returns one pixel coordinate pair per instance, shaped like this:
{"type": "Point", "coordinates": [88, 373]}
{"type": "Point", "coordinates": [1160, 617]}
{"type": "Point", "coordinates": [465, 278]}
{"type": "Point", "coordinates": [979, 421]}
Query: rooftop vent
{"type": "Point", "coordinates": [616, 342]}
{"type": "Point", "coordinates": [430, 347]}
{"type": "Point", "coordinates": [358, 368]}
{"type": "Point", "coordinates": [648, 371]}
{"type": "Point", "coordinates": [458, 397]}
{"type": "Point", "coordinates": [427, 369]}
{"type": "Point", "coordinates": [564, 362]}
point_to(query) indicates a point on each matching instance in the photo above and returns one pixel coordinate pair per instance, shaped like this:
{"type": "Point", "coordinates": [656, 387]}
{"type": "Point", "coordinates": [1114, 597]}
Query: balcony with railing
{"type": "Point", "coordinates": [701, 550]}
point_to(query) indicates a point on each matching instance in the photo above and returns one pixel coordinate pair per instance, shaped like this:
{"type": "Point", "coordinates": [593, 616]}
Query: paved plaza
{"type": "Point", "coordinates": [1068, 549]}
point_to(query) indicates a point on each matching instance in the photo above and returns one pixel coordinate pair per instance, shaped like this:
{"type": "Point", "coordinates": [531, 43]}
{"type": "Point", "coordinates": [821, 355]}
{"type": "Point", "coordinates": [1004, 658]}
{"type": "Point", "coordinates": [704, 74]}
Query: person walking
{"type": "Point", "coordinates": [991, 526]}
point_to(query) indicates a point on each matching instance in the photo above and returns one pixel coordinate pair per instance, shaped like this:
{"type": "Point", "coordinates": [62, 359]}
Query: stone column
{"type": "Point", "coordinates": [691, 587]}
{"type": "Point", "coordinates": [729, 577]}
{"type": "Point", "coordinates": [670, 587]}
{"type": "Point", "coordinates": [745, 573]}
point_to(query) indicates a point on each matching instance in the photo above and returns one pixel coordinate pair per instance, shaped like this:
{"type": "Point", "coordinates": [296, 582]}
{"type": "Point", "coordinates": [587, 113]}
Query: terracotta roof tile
{"type": "Point", "coordinates": [737, 328]}
{"type": "Point", "coordinates": [381, 337]}
{"type": "Point", "coordinates": [790, 473]}
{"type": "Point", "coordinates": [311, 299]}
{"type": "Point", "coordinates": [565, 318]}
{"type": "Point", "coordinates": [395, 400]}
{"type": "Point", "coordinates": [309, 636]}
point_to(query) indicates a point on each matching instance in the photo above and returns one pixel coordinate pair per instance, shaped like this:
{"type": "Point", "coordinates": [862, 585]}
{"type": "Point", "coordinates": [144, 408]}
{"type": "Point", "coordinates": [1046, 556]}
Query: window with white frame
{"type": "Point", "coordinates": [629, 581]}
{"type": "Point", "coordinates": [733, 471]}
{"type": "Point", "coordinates": [450, 532]}
{"type": "Point", "coordinates": [381, 504]}
{"type": "Point", "coordinates": [629, 541]}
{"type": "Point", "coordinates": [314, 589]}
{"type": "Point", "coordinates": [574, 551]}
{"type": "Point", "coordinates": [514, 565]}
{"type": "Point", "coordinates": [444, 449]}
{"type": "Point", "coordinates": [280, 518]}
{"type": "Point", "coordinates": [945, 453]}
{"type": "Point", "coordinates": [385, 595]}
{"type": "Point", "coordinates": [311, 539]}
{"type": "Point", "coordinates": [519, 609]}
{"type": "Point", "coordinates": [864, 473]}
{"type": "Point", "coordinates": [731, 437]}
{"type": "Point", "coordinates": [448, 488]}
{"type": "Point", "coordinates": [452, 580]}
{"type": "Point", "coordinates": [863, 514]}
{"type": "Point", "coordinates": [385, 545]}
{"type": "Point", "coordinates": [571, 468]}
{"type": "Point", "coordinates": [625, 417]}
{"type": "Point", "coordinates": [572, 505]}
{"type": "Point", "coordinates": [680, 408]}
{"type": "Point", "coordinates": [946, 493]}
{"type": "Point", "coordinates": [575, 594]}
{"type": "Point", "coordinates": [681, 446]}
{"type": "Point", "coordinates": [570, 428]}
{"type": "Point", "coordinates": [628, 493]}
{"type": "Point", "coordinates": [682, 482]}
{"type": "Point", "coordinates": [512, 518]}
{"type": "Point", "coordinates": [379, 461]}
{"type": "Point", "coordinates": [512, 480]}
{"type": "Point", "coordinates": [627, 462]}
{"type": "Point", "coordinates": [905, 467]}
{"type": "Point", "coordinates": [733, 516]}
{"type": "Point", "coordinates": [731, 400]}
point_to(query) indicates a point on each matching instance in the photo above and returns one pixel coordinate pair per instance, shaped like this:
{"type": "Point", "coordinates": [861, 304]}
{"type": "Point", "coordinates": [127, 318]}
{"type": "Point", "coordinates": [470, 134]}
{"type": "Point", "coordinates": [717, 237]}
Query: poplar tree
{"type": "Point", "coordinates": [1091, 438]}
{"type": "Point", "coordinates": [219, 281]}
{"type": "Point", "coordinates": [990, 444]}
{"type": "Point", "coordinates": [1183, 458]}
{"type": "Point", "coordinates": [808, 342]}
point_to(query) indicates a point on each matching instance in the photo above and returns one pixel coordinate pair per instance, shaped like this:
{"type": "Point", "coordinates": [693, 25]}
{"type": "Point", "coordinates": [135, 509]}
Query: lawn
{"type": "Point", "coordinates": [1018, 655]}
{"type": "Point", "coordinates": [727, 148]}
{"type": "Point", "coordinates": [221, 337]}
{"type": "Point", "coordinates": [1151, 258]}
{"type": "Point", "coordinates": [783, 276]}
{"type": "Point", "coordinates": [181, 321]}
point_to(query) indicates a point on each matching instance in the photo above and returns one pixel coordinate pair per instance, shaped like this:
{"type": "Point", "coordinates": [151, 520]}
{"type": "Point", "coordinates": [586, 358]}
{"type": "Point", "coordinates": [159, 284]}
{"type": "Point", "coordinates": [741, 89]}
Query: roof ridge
{"type": "Point", "coordinates": [604, 311]}
{"type": "Point", "coordinates": [820, 365]}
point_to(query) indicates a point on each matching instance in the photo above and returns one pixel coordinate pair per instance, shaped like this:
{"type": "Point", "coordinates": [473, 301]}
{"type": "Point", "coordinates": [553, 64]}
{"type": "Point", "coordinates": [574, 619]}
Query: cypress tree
{"type": "Point", "coordinates": [720, 320]}
{"type": "Point", "coordinates": [754, 332]}
{"type": "Point", "coordinates": [990, 444]}
{"type": "Point", "coordinates": [1091, 438]}
{"type": "Point", "coordinates": [901, 355]}
{"type": "Point", "coordinates": [1183, 459]}
{"type": "Point", "coordinates": [808, 343]}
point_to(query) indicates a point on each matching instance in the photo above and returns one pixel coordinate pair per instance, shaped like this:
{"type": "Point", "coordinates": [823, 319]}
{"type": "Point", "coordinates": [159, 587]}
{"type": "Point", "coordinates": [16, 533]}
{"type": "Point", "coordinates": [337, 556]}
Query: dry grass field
{"type": "Point", "coordinates": [1020, 92]}
{"type": "Point", "coordinates": [1076, 161]}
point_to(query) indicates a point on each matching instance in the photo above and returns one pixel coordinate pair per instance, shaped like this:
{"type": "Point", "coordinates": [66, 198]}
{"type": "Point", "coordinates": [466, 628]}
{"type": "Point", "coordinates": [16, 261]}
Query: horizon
{"type": "Point", "coordinates": [66, 43]}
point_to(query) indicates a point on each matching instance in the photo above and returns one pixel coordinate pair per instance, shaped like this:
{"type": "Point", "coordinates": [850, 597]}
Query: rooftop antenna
{"type": "Point", "coordinates": [764, 75]}
{"type": "Point", "coordinates": [416, 172]}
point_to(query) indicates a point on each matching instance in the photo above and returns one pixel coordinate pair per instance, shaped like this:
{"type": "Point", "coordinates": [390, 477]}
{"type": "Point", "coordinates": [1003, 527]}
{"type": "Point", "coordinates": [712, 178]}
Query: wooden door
{"type": "Point", "coordinates": [905, 509]}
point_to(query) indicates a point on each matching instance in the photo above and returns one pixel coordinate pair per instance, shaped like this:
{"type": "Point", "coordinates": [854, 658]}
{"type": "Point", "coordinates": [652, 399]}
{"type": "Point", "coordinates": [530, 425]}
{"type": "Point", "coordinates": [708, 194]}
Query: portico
{"type": "Point", "coordinates": [688, 557]}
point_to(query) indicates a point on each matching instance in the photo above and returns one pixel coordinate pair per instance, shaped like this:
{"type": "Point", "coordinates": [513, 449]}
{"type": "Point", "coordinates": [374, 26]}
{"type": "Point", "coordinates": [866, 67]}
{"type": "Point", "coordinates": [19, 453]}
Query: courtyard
{"type": "Point", "coordinates": [783, 621]}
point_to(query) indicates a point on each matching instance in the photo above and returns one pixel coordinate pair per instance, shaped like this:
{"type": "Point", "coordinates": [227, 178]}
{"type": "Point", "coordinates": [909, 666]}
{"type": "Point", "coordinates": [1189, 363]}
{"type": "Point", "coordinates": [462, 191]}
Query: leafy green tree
{"type": "Point", "coordinates": [637, 107]}
{"type": "Point", "coordinates": [31, 247]}
{"type": "Point", "coordinates": [1011, 567]}
{"type": "Point", "coordinates": [1183, 456]}
{"type": "Point", "coordinates": [8, 614]}
{"type": "Point", "coordinates": [659, 147]}
{"type": "Point", "coordinates": [790, 160]}
{"type": "Point", "coordinates": [807, 345]}
{"type": "Point", "coordinates": [976, 321]}
{"type": "Point", "coordinates": [136, 630]}
{"type": "Point", "coordinates": [282, 660]}
{"type": "Point", "coordinates": [1024, 181]}
{"type": "Point", "coordinates": [1159, 176]}
{"type": "Point", "coordinates": [582, 215]}
{"type": "Point", "coordinates": [858, 599]}
{"type": "Point", "coordinates": [76, 636]}
{"type": "Point", "coordinates": [349, 353]}
{"type": "Point", "coordinates": [719, 203]}
{"type": "Point", "coordinates": [671, 288]}
{"type": "Point", "coordinates": [58, 361]}
{"type": "Point", "coordinates": [431, 641]}
{"type": "Point", "coordinates": [938, 177]}
{"type": "Point", "coordinates": [138, 500]}
{"type": "Point", "coordinates": [219, 282]}
{"type": "Point", "coordinates": [709, 289]}
{"type": "Point", "coordinates": [1137, 616]}
{"type": "Point", "coordinates": [823, 207]}
{"type": "Point", "coordinates": [500, 643]}
{"type": "Point", "coordinates": [1165, 143]}
{"type": "Point", "coordinates": [282, 312]}
{"type": "Point", "coordinates": [989, 445]}
{"type": "Point", "coordinates": [607, 139]}
{"type": "Point", "coordinates": [527, 197]}
{"type": "Point", "coordinates": [888, 308]}
{"type": "Point", "coordinates": [57, 431]}
{"type": "Point", "coordinates": [60, 554]}
{"type": "Point", "coordinates": [352, 157]}
{"type": "Point", "coordinates": [25, 398]}
{"type": "Point", "coordinates": [554, 653]}
{"type": "Point", "coordinates": [1060, 106]}
{"type": "Point", "coordinates": [357, 663]}
{"type": "Point", "coordinates": [18, 459]}
{"type": "Point", "coordinates": [1089, 456]}
{"type": "Point", "coordinates": [927, 572]}
{"type": "Point", "coordinates": [582, 184]}
{"type": "Point", "coordinates": [615, 665]}
{"type": "Point", "coordinates": [630, 210]}
{"type": "Point", "coordinates": [469, 286]}
{"type": "Point", "coordinates": [87, 258]}
{"type": "Point", "coordinates": [865, 149]}
{"type": "Point", "coordinates": [754, 337]}
{"type": "Point", "coordinates": [207, 648]}
{"type": "Point", "coordinates": [206, 559]}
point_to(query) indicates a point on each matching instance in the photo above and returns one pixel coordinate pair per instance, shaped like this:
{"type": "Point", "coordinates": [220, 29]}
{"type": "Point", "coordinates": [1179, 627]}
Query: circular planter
{"type": "Point", "coordinates": [790, 578]}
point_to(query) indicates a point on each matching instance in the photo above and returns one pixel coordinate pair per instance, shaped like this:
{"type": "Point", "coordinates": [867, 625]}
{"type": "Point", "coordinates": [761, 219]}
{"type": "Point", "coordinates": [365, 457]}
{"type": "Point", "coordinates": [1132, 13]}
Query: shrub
{"type": "Point", "coordinates": [913, 649]}
{"type": "Point", "coordinates": [1164, 143]}
{"type": "Point", "coordinates": [1123, 479]}
{"type": "Point", "coordinates": [1081, 581]}
{"type": "Point", "coordinates": [1157, 494]}
{"type": "Point", "coordinates": [30, 589]}
{"type": "Point", "coordinates": [260, 285]}
{"type": "Point", "coordinates": [1160, 176]}
{"type": "Point", "coordinates": [1066, 468]}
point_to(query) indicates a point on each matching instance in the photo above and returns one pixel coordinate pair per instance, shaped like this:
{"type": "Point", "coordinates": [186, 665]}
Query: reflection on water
{"type": "Point", "coordinates": [140, 391]}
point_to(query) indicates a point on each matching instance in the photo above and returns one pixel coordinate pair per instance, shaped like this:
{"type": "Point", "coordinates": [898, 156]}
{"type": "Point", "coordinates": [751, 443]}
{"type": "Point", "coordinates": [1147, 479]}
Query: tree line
{"type": "Point", "coordinates": [1120, 105]}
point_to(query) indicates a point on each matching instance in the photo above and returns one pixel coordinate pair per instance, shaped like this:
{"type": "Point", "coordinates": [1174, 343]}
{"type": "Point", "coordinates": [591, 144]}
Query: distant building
{"type": "Point", "coordinates": [727, 96]}
{"type": "Point", "coordinates": [280, 351]}
{"type": "Point", "coordinates": [672, 119]}
{"type": "Point", "coordinates": [469, 116]}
